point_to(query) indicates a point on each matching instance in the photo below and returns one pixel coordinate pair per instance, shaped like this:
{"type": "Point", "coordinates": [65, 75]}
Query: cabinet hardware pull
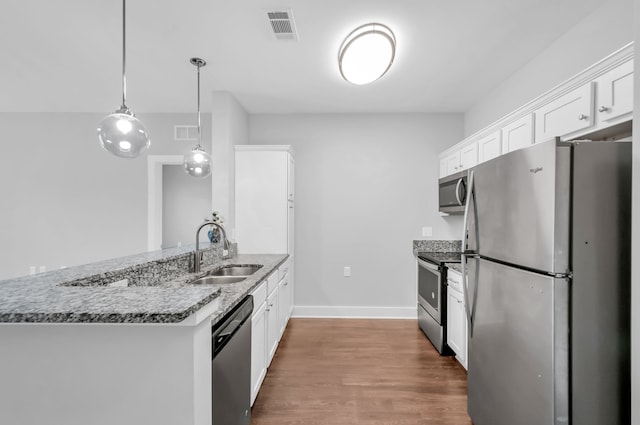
{"type": "Point", "coordinates": [603, 109]}
{"type": "Point", "coordinates": [582, 117]}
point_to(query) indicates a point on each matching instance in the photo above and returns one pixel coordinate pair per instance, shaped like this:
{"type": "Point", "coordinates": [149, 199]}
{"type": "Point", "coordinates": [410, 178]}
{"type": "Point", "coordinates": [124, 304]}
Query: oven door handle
{"type": "Point", "coordinates": [429, 266]}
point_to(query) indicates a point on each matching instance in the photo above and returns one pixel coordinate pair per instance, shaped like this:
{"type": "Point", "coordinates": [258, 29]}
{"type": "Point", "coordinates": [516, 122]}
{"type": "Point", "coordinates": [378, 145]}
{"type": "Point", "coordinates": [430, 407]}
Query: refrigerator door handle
{"type": "Point", "coordinates": [470, 197]}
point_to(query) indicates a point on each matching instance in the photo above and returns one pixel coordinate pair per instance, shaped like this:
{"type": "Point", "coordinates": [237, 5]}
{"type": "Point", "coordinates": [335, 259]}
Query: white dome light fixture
{"type": "Point", "coordinates": [121, 133]}
{"type": "Point", "coordinates": [367, 53]}
{"type": "Point", "coordinates": [197, 163]}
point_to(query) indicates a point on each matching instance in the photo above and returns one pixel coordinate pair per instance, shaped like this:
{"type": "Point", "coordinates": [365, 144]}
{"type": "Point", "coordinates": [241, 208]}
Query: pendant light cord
{"type": "Point", "coordinates": [124, 56]}
{"type": "Point", "coordinates": [199, 136]}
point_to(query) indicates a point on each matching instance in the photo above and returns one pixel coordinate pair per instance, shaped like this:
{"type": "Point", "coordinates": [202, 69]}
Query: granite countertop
{"type": "Point", "coordinates": [76, 295]}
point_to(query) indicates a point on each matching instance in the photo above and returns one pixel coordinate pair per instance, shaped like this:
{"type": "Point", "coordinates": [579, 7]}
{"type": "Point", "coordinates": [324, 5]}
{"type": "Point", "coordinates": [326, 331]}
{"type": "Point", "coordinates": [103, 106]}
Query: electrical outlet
{"type": "Point", "coordinates": [347, 271]}
{"type": "Point", "coordinates": [427, 231]}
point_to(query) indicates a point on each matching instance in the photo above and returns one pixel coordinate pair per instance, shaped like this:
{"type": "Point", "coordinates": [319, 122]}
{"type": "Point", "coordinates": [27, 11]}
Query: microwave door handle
{"type": "Point", "coordinates": [458, 198]}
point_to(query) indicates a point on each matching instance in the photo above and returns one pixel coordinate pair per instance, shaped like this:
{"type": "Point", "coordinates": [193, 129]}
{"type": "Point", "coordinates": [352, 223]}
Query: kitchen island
{"type": "Point", "coordinates": [77, 347]}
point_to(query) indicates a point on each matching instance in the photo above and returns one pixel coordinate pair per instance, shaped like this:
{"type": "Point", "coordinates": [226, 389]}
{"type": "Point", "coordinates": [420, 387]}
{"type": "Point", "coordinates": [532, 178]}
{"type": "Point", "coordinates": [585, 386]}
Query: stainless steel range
{"type": "Point", "coordinates": [432, 296]}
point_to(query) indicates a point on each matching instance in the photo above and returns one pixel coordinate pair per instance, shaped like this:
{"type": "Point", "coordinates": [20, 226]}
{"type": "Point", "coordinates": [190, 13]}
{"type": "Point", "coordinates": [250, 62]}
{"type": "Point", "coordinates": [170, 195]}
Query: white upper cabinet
{"type": "Point", "coordinates": [452, 162]}
{"type": "Point", "coordinates": [614, 95]}
{"type": "Point", "coordinates": [518, 134]}
{"type": "Point", "coordinates": [600, 97]}
{"type": "Point", "coordinates": [565, 115]}
{"type": "Point", "coordinates": [443, 167]}
{"type": "Point", "coordinates": [264, 182]}
{"type": "Point", "coordinates": [469, 156]}
{"type": "Point", "coordinates": [489, 147]}
{"type": "Point", "coordinates": [461, 159]}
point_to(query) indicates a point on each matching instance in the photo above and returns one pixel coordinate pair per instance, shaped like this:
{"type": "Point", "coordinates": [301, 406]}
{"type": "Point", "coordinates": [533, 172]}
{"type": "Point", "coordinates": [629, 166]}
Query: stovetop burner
{"type": "Point", "coordinates": [440, 257]}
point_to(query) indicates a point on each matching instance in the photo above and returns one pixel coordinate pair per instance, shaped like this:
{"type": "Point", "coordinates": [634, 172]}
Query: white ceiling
{"type": "Point", "coordinates": [65, 55]}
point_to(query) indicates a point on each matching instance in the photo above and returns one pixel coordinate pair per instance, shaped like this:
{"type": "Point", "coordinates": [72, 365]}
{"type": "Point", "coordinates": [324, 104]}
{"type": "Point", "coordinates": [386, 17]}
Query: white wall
{"type": "Point", "coordinates": [230, 127]}
{"type": "Point", "coordinates": [365, 185]}
{"type": "Point", "coordinates": [602, 32]}
{"type": "Point", "coordinates": [66, 201]}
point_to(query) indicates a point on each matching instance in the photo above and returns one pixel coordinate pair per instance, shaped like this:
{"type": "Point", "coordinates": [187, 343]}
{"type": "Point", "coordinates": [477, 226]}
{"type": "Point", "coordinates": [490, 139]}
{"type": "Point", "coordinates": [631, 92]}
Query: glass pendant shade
{"type": "Point", "coordinates": [367, 53]}
{"type": "Point", "coordinates": [123, 135]}
{"type": "Point", "coordinates": [197, 163]}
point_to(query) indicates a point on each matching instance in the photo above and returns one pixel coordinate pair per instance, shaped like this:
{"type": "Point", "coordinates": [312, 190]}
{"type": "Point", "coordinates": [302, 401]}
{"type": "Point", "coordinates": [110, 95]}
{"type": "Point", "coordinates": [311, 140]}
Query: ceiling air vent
{"type": "Point", "coordinates": [282, 24]}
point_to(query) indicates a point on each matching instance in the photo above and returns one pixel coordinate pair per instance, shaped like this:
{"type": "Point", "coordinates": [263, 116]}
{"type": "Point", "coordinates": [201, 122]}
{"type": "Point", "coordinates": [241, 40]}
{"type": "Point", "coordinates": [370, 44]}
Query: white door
{"type": "Point", "coordinates": [457, 325]}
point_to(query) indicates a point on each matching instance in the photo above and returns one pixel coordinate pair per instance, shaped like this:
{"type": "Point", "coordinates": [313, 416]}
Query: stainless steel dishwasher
{"type": "Point", "coordinates": [231, 366]}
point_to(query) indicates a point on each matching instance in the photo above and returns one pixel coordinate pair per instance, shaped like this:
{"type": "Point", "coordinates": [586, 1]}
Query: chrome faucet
{"type": "Point", "coordinates": [197, 260]}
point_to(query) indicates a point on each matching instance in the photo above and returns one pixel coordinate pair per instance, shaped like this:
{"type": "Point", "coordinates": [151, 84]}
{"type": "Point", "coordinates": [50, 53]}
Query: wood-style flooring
{"type": "Point", "coordinates": [359, 371]}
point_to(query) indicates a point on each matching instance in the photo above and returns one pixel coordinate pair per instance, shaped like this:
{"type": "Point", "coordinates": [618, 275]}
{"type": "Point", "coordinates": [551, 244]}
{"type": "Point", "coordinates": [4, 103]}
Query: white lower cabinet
{"type": "Point", "coordinates": [273, 325]}
{"type": "Point", "coordinates": [272, 306]}
{"type": "Point", "coordinates": [456, 318]}
{"type": "Point", "coordinates": [258, 349]}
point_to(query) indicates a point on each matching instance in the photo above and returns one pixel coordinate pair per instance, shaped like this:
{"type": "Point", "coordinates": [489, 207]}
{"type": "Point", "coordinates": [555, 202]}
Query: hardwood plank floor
{"type": "Point", "coordinates": [360, 371]}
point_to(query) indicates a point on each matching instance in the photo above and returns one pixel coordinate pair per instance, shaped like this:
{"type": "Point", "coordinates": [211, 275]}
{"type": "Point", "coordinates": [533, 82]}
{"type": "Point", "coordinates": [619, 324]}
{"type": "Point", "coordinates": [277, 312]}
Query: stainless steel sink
{"type": "Point", "coordinates": [236, 270]}
{"type": "Point", "coordinates": [210, 280]}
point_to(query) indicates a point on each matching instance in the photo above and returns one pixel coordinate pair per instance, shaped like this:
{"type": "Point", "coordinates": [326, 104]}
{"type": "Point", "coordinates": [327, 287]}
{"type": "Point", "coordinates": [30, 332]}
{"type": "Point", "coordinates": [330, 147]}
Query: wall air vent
{"type": "Point", "coordinates": [282, 24]}
{"type": "Point", "coordinates": [185, 133]}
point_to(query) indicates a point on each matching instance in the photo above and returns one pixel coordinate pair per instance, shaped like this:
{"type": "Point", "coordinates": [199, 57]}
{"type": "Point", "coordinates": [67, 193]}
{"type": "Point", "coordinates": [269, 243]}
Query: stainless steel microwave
{"type": "Point", "coordinates": [452, 193]}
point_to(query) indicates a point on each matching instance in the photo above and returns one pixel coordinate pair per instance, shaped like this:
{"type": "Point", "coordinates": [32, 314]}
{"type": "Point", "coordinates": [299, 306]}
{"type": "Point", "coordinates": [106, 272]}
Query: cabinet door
{"type": "Point", "coordinates": [290, 179]}
{"type": "Point", "coordinates": [284, 303]}
{"type": "Point", "coordinates": [615, 94]}
{"type": "Point", "coordinates": [290, 226]}
{"type": "Point", "coordinates": [518, 134]}
{"type": "Point", "coordinates": [453, 163]}
{"type": "Point", "coordinates": [456, 326]}
{"type": "Point", "coordinates": [273, 325]}
{"type": "Point", "coordinates": [443, 167]}
{"type": "Point", "coordinates": [469, 156]}
{"type": "Point", "coordinates": [258, 349]}
{"type": "Point", "coordinates": [567, 114]}
{"type": "Point", "coordinates": [489, 147]}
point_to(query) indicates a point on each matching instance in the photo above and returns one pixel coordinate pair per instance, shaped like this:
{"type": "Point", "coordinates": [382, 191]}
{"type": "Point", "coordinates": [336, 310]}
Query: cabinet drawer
{"type": "Point", "coordinates": [283, 270]}
{"type": "Point", "coordinates": [259, 295]}
{"type": "Point", "coordinates": [272, 282]}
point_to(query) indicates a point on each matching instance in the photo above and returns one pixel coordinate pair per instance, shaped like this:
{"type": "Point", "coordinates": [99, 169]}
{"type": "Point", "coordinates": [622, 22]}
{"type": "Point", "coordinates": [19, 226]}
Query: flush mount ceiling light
{"type": "Point", "coordinates": [197, 163]}
{"type": "Point", "coordinates": [367, 53]}
{"type": "Point", "coordinates": [121, 133]}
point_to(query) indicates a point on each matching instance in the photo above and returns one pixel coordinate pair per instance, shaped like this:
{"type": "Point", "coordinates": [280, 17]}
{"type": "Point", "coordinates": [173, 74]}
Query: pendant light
{"type": "Point", "coordinates": [121, 133]}
{"type": "Point", "coordinates": [197, 163]}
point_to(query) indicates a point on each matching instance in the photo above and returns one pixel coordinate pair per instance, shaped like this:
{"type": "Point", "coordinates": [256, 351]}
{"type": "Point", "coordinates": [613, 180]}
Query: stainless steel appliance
{"type": "Point", "coordinates": [452, 193]}
{"type": "Point", "coordinates": [547, 232]}
{"type": "Point", "coordinates": [432, 296]}
{"type": "Point", "coordinates": [231, 366]}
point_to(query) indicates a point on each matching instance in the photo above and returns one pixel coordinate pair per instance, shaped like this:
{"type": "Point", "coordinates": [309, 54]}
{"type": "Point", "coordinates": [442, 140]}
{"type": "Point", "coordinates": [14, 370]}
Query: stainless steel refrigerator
{"type": "Point", "coordinates": [547, 248]}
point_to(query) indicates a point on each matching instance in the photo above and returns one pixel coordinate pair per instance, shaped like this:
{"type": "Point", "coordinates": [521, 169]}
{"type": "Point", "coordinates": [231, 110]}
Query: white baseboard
{"type": "Point", "coordinates": [355, 312]}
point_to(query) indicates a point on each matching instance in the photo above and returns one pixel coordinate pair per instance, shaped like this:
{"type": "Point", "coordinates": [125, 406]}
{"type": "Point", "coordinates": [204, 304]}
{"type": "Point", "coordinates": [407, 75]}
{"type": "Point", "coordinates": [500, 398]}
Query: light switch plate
{"type": "Point", "coordinates": [347, 271]}
{"type": "Point", "coordinates": [427, 231]}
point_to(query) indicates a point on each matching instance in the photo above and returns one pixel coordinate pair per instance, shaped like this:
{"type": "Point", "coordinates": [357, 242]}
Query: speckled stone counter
{"type": "Point", "coordinates": [436, 246]}
{"type": "Point", "coordinates": [158, 290]}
